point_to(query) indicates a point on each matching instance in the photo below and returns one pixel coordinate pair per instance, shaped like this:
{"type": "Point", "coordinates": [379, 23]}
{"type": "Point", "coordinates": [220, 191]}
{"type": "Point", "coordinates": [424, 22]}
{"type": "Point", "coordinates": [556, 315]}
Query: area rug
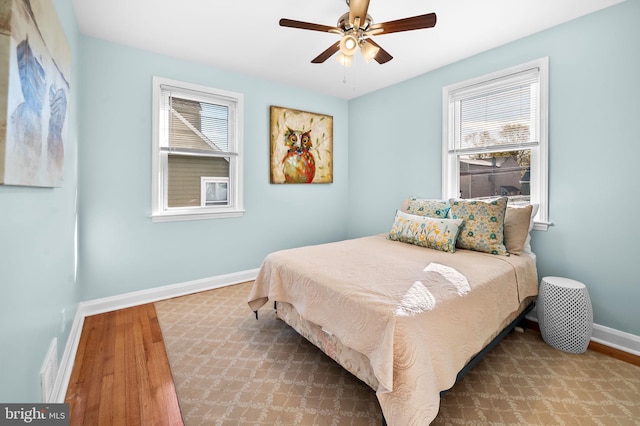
{"type": "Point", "coordinates": [231, 369]}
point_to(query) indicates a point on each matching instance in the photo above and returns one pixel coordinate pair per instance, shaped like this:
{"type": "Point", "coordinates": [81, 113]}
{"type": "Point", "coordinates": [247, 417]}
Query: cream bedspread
{"type": "Point", "coordinates": [418, 314]}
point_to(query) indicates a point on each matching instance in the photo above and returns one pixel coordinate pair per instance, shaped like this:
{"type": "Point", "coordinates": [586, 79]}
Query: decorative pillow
{"type": "Point", "coordinates": [426, 207]}
{"type": "Point", "coordinates": [483, 227]}
{"type": "Point", "coordinates": [424, 231]}
{"type": "Point", "coordinates": [516, 227]}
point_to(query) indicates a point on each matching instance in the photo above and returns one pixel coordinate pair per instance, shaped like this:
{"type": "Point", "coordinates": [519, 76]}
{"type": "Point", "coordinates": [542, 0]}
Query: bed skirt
{"type": "Point", "coordinates": [351, 360]}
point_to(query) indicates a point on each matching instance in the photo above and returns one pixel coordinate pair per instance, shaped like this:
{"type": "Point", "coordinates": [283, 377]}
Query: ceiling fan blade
{"type": "Point", "coordinates": [406, 24]}
{"type": "Point", "coordinates": [358, 9]}
{"type": "Point", "coordinates": [291, 23]}
{"type": "Point", "coordinates": [326, 54]}
{"type": "Point", "coordinates": [382, 57]}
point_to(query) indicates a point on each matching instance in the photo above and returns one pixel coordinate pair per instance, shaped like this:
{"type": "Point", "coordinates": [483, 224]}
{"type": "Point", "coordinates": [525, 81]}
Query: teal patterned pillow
{"type": "Point", "coordinates": [426, 207]}
{"type": "Point", "coordinates": [424, 231]}
{"type": "Point", "coordinates": [483, 227]}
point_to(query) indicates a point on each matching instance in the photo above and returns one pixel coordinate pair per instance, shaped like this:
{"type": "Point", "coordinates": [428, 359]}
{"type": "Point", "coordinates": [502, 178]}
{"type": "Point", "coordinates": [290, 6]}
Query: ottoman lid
{"type": "Point", "coordinates": [563, 282]}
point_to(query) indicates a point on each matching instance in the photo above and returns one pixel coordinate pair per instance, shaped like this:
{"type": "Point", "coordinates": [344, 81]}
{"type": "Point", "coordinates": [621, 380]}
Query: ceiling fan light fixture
{"type": "Point", "coordinates": [345, 60]}
{"type": "Point", "coordinates": [369, 51]}
{"type": "Point", "coordinates": [348, 44]}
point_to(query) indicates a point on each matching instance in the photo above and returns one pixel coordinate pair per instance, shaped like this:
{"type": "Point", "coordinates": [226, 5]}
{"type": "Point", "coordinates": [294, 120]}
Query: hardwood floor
{"type": "Point", "coordinates": [121, 373]}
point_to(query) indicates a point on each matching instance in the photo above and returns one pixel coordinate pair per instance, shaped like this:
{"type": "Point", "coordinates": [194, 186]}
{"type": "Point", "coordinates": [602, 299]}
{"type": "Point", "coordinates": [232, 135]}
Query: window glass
{"type": "Point", "coordinates": [496, 174]}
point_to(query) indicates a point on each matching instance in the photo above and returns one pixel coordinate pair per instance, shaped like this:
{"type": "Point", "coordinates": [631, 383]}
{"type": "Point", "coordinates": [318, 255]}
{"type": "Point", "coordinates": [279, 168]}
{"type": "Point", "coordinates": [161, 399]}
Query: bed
{"type": "Point", "coordinates": [402, 317]}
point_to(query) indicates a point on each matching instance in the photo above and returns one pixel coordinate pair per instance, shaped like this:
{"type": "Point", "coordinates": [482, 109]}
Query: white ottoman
{"type": "Point", "coordinates": [565, 314]}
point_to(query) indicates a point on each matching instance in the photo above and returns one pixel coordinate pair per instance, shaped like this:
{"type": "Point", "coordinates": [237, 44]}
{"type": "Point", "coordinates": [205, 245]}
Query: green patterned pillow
{"type": "Point", "coordinates": [424, 231]}
{"type": "Point", "coordinates": [426, 207]}
{"type": "Point", "coordinates": [483, 227]}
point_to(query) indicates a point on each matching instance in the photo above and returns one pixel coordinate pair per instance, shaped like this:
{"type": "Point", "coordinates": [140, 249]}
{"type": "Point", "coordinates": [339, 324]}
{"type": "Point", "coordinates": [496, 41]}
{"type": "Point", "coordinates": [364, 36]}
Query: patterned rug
{"type": "Point", "coordinates": [230, 369]}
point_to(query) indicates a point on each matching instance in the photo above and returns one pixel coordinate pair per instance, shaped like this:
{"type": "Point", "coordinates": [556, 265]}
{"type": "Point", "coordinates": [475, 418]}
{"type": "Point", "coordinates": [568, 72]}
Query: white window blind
{"type": "Point", "coordinates": [195, 126]}
{"type": "Point", "coordinates": [499, 115]}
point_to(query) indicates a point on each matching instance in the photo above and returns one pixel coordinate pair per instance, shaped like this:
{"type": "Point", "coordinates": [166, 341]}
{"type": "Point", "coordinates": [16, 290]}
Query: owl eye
{"type": "Point", "coordinates": [293, 138]}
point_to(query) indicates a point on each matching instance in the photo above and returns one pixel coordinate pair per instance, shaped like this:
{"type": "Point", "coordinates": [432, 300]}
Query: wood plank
{"type": "Point", "coordinates": [85, 397]}
{"type": "Point", "coordinates": [105, 407]}
{"type": "Point", "coordinates": [132, 384]}
{"type": "Point", "coordinates": [121, 374]}
{"type": "Point", "coordinates": [119, 400]}
{"type": "Point", "coordinates": [144, 387]}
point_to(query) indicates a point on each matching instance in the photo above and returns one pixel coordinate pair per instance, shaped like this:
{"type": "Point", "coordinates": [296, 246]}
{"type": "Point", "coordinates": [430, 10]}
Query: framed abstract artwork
{"type": "Point", "coordinates": [35, 67]}
{"type": "Point", "coordinates": [301, 146]}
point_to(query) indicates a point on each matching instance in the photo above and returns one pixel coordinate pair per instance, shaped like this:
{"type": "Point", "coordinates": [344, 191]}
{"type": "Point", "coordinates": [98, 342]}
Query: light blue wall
{"type": "Point", "coordinates": [395, 151]}
{"type": "Point", "coordinates": [37, 259]}
{"type": "Point", "coordinates": [121, 250]}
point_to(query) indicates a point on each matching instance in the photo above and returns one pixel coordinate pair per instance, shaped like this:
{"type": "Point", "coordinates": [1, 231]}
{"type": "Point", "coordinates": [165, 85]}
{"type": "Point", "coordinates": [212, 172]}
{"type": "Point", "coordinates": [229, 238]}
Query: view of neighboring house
{"type": "Point", "coordinates": [488, 177]}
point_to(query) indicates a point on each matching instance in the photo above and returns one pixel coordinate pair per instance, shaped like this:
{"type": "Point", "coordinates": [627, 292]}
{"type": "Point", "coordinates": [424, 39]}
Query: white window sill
{"type": "Point", "coordinates": [181, 216]}
{"type": "Point", "coordinates": [541, 226]}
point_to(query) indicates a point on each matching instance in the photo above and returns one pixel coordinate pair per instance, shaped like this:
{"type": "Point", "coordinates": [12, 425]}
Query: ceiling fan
{"type": "Point", "coordinates": [356, 28]}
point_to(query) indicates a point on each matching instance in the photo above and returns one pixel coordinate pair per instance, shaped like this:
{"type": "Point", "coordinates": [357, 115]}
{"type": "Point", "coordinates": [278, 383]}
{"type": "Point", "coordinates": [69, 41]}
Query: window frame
{"type": "Point", "coordinates": [539, 166]}
{"type": "Point", "coordinates": [160, 212]}
{"type": "Point", "coordinates": [204, 180]}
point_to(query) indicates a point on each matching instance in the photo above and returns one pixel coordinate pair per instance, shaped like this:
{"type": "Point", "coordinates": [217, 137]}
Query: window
{"type": "Point", "coordinates": [197, 152]}
{"type": "Point", "coordinates": [495, 137]}
{"type": "Point", "coordinates": [214, 191]}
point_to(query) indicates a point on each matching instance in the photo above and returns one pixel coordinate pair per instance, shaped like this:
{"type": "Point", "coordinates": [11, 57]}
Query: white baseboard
{"type": "Point", "coordinates": [616, 339]}
{"type": "Point", "coordinates": [68, 358]}
{"type": "Point", "coordinates": [126, 300]}
{"type": "Point", "coordinates": [611, 337]}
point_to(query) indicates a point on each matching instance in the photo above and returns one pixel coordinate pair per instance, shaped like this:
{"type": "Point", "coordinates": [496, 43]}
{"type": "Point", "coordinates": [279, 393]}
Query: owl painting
{"type": "Point", "coordinates": [299, 165]}
{"type": "Point", "coordinates": [301, 147]}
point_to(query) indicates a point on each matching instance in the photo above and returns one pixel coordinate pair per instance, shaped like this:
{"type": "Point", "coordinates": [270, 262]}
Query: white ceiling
{"type": "Point", "coordinates": [244, 36]}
